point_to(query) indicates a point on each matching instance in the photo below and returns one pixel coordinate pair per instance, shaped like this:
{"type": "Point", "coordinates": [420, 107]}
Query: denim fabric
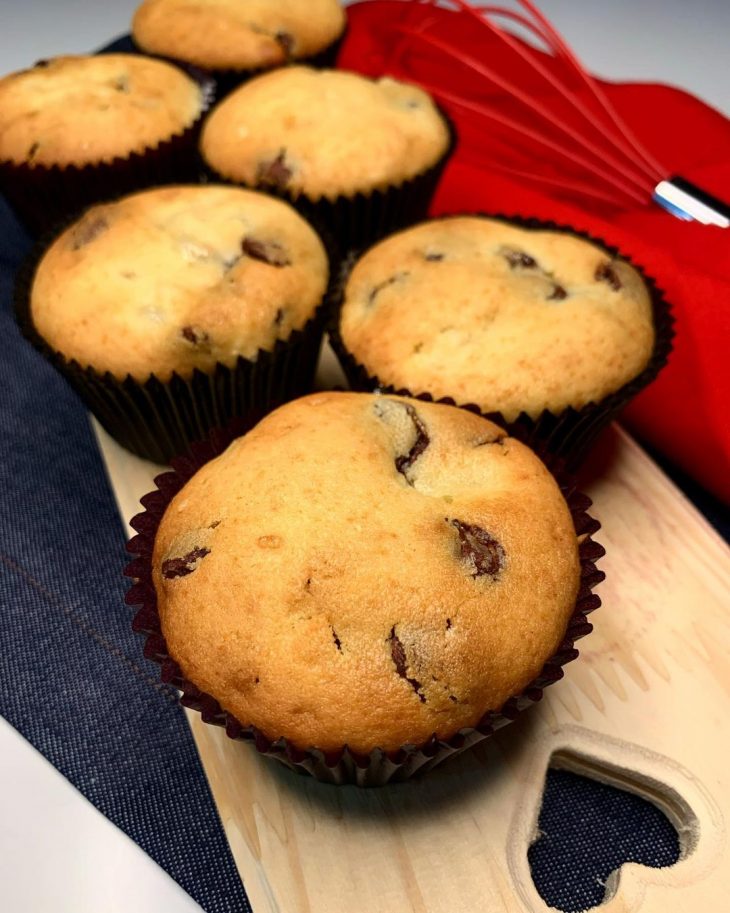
{"type": "Point", "coordinates": [73, 679]}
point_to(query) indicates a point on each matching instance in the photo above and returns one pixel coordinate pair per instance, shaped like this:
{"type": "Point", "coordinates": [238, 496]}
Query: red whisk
{"type": "Point", "coordinates": [586, 148]}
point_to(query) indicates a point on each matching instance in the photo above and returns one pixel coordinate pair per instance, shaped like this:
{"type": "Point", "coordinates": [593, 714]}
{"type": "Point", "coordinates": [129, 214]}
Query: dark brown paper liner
{"type": "Point", "coordinates": [567, 435]}
{"type": "Point", "coordinates": [158, 419]}
{"type": "Point", "coordinates": [357, 221]}
{"type": "Point", "coordinates": [226, 80]}
{"type": "Point", "coordinates": [342, 766]}
{"type": "Point", "coordinates": [41, 196]}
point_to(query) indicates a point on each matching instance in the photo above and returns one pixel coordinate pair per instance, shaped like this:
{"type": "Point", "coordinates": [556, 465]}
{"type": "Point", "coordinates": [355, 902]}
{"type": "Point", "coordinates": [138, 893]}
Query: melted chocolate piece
{"type": "Point", "coordinates": [33, 151]}
{"type": "Point", "coordinates": [338, 642]}
{"type": "Point", "coordinates": [181, 567]}
{"type": "Point", "coordinates": [41, 63]}
{"type": "Point", "coordinates": [376, 289]}
{"type": "Point", "coordinates": [398, 655]}
{"type": "Point", "coordinates": [606, 273]}
{"type": "Point", "coordinates": [87, 231]}
{"type": "Point", "coordinates": [197, 337]}
{"type": "Point", "coordinates": [285, 42]}
{"type": "Point", "coordinates": [274, 173]}
{"type": "Point", "coordinates": [448, 624]}
{"type": "Point", "coordinates": [434, 258]}
{"type": "Point", "coordinates": [483, 554]}
{"type": "Point", "coordinates": [266, 251]}
{"type": "Point", "coordinates": [558, 293]}
{"type": "Point", "coordinates": [518, 258]}
{"type": "Point", "coordinates": [403, 463]}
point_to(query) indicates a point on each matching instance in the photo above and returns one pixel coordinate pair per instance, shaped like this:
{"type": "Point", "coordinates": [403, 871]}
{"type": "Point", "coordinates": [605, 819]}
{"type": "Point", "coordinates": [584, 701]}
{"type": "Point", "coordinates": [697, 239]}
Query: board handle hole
{"type": "Point", "coordinates": [595, 818]}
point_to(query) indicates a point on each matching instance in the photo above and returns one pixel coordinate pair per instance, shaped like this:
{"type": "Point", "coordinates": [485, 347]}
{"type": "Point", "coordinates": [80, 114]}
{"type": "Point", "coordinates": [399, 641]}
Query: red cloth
{"type": "Point", "coordinates": [684, 413]}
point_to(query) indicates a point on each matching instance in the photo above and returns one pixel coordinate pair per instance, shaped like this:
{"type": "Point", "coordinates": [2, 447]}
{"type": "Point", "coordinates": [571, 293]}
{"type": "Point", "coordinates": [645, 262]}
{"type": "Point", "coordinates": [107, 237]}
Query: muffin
{"type": "Point", "coordinates": [525, 324]}
{"type": "Point", "coordinates": [363, 571]}
{"type": "Point", "coordinates": [176, 308]}
{"type": "Point", "coordinates": [235, 38]}
{"type": "Point", "coordinates": [362, 156]}
{"type": "Point", "coordinates": [77, 129]}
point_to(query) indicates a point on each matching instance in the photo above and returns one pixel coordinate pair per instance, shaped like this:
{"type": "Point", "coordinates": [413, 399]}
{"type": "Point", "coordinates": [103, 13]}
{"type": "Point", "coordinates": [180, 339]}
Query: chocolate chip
{"type": "Point", "coordinates": [42, 63]}
{"type": "Point", "coordinates": [606, 273]}
{"type": "Point", "coordinates": [482, 552]}
{"type": "Point", "coordinates": [391, 412]}
{"type": "Point", "coordinates": [214, 524]}
{"type": "Point", "coordinates": [434, 258]}
{"type": "Point", "coordinates": [196, 336]}
{"type": "Point", "coordinates": [274, 173]}
{"type": "Point", "coordinates": [279, 316]}
{"type": "Point", "coordinates": [452, 698]}
{"type": "Point", "coordinates": [88, 230]}
{"type": "Point", "coordinates": [32, 152]}
{"type": "Point", "coordinates": [181, 567]}
{"type": "Point", "coordinates": [558, 293]}
{"type": "Point", "coordinates": [398, 655]}
{"type": "Point", "coordinates": [518, 258]}
{"type": "Point", "coordinates": [404, 463]}
{"type": "Point", "coordinates": [338, 642]}
{"type": "Point", "coordinates": [376, 289]}
{"type": "Point", "coordinates": [266, 251]}
{"type": "Point", "coordinates": [285, 42]}
{"type": "Point", "coordinates": [448, 624]}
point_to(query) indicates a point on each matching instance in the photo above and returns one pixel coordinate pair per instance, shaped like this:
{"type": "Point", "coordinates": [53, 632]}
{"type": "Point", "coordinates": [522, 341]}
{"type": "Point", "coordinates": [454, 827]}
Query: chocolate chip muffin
{"type": "Point", "coordinates": [366, 571]}
{"type": "Point", "coordinates": [238, 36]}
{"type": "Point", "coordinates": [172, 285]}
{"type": "Point", "coordinates": [517, 321]}
{"type": "Point", "coordinates": [363, 154]}
{"type": "Point", "coordinates": [90, 126]}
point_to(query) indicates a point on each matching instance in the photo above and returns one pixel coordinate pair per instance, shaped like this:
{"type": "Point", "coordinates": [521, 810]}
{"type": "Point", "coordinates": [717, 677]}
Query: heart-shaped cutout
{"type": "Point", "coordinates": [586, 831]}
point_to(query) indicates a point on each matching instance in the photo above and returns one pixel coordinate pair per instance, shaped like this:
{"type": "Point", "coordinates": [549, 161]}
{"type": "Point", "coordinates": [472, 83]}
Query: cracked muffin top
{"type": "Point", "coordinates": [237, 34]}
{"type": "Point", "coordinates": [324, 133]}
{"type": "Point", "coordinates": [366, 570]}
{"type": "Point", "coordinates": [178, 278]}
{"type": "Point", "coordinates": [79, 110]}
{"type": "Point", "coordinates": [508, 318]}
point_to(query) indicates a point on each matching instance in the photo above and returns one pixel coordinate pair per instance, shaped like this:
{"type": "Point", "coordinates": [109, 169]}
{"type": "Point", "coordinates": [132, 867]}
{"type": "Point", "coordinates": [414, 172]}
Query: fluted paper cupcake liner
{"type": "Point", "coordinates": [567, 435]}
{"type": "Point", "coordinates": [226, 80]}
{"type": "Point", "coordinates": [343, 766]}
{"type": "Point", "coordinates": [356, 221]}
{"type": "Point", "coordinates": [41, 196]}
{"type": "Point", "coordinates": [158, 419]}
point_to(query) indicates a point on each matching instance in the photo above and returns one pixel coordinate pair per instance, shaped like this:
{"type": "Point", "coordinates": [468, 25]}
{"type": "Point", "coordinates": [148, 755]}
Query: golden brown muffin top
{"type": "Point", "coordinates": [366, 570]}
{"type": "Point", "coordinates": [237, 34]}
{"type": "Point", "coordinates": [83, 110]}
{"type": "Point", "coordinates": [324, 133]}
{"type": "Point", "coordinates": [178, 278]}
{"type": "Point", "coordinates": [508, 318]}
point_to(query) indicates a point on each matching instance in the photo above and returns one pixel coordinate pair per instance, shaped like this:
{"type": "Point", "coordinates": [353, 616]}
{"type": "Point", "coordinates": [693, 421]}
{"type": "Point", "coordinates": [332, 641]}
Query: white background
{"type": "Point", "coordinates": [57, 853]}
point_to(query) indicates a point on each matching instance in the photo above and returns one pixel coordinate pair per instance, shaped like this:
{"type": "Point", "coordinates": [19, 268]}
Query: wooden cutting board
{"type": "Point", "coordinates": [644, 708]}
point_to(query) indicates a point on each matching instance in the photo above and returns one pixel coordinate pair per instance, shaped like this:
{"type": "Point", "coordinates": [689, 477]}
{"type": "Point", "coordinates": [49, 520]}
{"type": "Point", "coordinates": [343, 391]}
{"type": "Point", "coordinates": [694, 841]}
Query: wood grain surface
{"type": "Point", "coordinates": [645, 707]}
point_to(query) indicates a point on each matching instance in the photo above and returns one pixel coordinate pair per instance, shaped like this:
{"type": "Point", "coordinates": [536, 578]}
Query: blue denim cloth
{"type": "Point", "coordinates": [73, 679]}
